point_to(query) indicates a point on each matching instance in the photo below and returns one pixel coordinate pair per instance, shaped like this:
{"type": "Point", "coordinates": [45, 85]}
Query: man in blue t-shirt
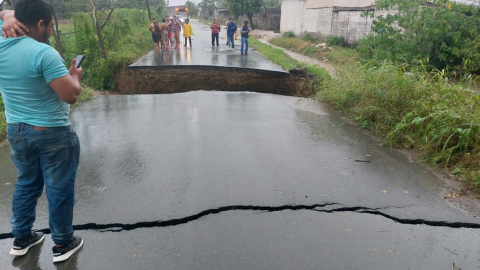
{"type": "Point", "coordinates": [37, 90]}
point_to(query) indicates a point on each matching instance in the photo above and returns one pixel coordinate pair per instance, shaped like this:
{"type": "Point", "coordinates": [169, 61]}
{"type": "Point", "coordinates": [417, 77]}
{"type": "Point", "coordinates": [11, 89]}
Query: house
{"type": "Point", "coordinates": [324, 18]}
{"type": "Point", "coordinates": [340, 18]}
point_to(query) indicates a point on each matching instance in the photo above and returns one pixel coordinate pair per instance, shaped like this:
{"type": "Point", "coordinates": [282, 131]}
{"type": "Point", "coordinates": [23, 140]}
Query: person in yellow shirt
{"type": "Point", "coordinates": [187, 32]}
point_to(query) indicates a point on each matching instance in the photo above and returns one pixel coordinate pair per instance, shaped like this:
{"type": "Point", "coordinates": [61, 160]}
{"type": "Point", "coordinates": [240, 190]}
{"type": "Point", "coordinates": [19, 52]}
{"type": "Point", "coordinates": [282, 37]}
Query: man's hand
{"type": "Point", "coordinates": [75, 72]}
{"type": "Point", "coordinates": [12, 27]}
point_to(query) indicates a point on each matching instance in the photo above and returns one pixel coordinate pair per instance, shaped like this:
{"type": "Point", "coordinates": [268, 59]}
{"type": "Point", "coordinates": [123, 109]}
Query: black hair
{"type": "Point", "coordinates": [230, 19]}
{"type": "Point", "coordinates": [187, 20]}
{"type": "Point", "coordinates": [154, 19]}
{"type": "Point", "coordinates": [245, 22]}
{"type": "Point", "coordinates": [163, 20]}
{"type": "Point", "coordinates": [30, 12]}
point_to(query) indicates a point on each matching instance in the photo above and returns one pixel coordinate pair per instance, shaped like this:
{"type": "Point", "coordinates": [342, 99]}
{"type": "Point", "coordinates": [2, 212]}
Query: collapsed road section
{"type": "Point", "coordinates": [177, 79]}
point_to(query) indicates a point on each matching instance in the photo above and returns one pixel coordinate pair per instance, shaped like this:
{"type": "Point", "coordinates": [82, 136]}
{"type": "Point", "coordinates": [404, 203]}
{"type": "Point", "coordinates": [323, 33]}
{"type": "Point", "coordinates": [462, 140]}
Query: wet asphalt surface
{"type": "Point", "coordinates": [203, 54]}
{"type": "Point", "coordinates": [222, 180]}
{"type": "Point", "coordinates": [243, 181]}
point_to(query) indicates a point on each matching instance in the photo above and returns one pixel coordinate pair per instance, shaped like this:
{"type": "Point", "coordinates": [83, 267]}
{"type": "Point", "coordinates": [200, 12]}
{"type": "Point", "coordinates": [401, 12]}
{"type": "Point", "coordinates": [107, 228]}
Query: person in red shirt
{"type": "Point", "coordinates": [215, 31]}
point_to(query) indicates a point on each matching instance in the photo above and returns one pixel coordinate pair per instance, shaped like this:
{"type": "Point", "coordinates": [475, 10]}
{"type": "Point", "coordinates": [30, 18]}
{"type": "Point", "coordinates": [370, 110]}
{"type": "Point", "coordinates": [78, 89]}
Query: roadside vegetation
{"type": "Point", "coordinates": [125, 35]}
{"type": "Point", "coordinates": [280, 58]}
{"type": "Point", "coordinates": [413, 82]}
{"type": "Point", "coordinates": [334, 52]}
{"type": "Point", "coordinates": [315, 74]}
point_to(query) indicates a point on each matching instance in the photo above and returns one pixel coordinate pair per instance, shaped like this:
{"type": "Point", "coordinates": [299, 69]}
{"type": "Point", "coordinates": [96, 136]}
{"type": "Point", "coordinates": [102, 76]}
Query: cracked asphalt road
{"type": "Point", "coordinates": [221, 180]}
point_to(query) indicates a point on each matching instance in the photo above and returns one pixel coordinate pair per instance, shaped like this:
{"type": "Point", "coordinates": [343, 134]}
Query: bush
{"type": "Point", "coordinates": [336, 41]}
{"type": "Point", "coordinates": [289, 34]}
{"type": "Point", "coordinates": [308, 37]}
{"type": "Point", "coordinates": [446, 35]}
{"type": "Point", "coordinates": [125, 38]}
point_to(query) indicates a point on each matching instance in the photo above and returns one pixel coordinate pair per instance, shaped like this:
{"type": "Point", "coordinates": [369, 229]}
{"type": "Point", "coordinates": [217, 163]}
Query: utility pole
{"type": "Point", "coordinates": [148, 8]}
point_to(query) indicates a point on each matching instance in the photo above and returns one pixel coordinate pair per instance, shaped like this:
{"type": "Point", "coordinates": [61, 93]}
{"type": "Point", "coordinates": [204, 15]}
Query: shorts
{"type": "Point", "coordinates": [164, 35]}
{"type": "Point", "coordinates": [170, 34]}
{"type": "Point", "coordinates": [156, 38]}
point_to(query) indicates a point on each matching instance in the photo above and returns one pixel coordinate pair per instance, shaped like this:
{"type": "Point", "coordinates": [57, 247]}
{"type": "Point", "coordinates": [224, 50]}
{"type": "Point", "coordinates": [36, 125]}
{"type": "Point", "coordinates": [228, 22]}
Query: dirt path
{"type": "Point", "coordinates": [299, 57]}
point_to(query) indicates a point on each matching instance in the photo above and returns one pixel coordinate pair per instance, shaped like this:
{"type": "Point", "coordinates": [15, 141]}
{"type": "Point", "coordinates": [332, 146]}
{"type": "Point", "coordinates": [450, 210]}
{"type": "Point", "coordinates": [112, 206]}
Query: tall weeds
{"type": "Point", "coordinates": [421, 111]}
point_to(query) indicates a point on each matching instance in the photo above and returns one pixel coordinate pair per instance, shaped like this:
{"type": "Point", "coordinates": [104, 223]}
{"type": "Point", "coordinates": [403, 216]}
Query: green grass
{"type": "Point", "coordinates": [87, 94]}
{"type": "Point", "coordinates": [202, 20]}
{"type": "Point", "coordinates": [338, 55]}
{"type": "Point", "coordinates": [286, 62]}
{"type": "Point", "coordinates": [66, 26]}
{"type": "Point", "coordinates": [420, 111]}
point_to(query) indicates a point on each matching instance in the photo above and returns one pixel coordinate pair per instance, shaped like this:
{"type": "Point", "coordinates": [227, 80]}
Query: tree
{"type": "Point", "coordinates": [148, 8]}
{"type": "Point", "coordinates": [99, 27]}
{"type": "Point", "coordinates": [207, 7]}
{"type": "Point", "coordinates": [192, 8]}
{"type": "Point", "coordinates": [161, 10]}
{"type": "Point", "coordinates": [271, 3]}
{"type": "Point", "coordinates": [248, 7]}
{"type": "Point", "coordinates": [58, 6]}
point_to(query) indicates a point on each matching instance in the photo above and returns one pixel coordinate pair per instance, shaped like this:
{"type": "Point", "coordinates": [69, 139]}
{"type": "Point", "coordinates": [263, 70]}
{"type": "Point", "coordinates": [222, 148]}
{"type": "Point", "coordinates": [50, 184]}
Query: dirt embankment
{"type": "Point", "coordinates": [182, 79]}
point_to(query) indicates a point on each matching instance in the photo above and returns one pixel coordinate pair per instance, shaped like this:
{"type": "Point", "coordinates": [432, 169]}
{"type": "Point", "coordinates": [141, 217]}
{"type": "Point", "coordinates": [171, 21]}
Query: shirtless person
{"type": "Point", "coordinates": [151, 28]}
{"type": "Point", "coordinates": [164, 35]}
{"type": "Point", "coordinates": [157, 33]}
{"type": "Point", "coordinates": [170, 30]}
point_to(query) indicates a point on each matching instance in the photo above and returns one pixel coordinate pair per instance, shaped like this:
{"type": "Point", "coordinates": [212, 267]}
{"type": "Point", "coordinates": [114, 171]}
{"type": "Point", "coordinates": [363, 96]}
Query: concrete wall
{"type": "Point", "coordinates": [269, 20]}
{"type": "Point", "coordinates": [324, 22]}
{"type": "Point", "coordinates": [263, 21]}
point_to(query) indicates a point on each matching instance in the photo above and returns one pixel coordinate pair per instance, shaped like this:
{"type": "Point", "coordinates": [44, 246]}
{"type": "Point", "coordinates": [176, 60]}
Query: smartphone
{"type": "Point", "coordinates": [80, 58]}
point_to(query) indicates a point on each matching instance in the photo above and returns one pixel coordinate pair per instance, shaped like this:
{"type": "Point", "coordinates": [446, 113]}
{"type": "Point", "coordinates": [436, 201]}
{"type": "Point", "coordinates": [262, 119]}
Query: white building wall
{"type": "Point", "coordinates": [292, 11]}
{"type": "Point", "coordinates": [324, 22]}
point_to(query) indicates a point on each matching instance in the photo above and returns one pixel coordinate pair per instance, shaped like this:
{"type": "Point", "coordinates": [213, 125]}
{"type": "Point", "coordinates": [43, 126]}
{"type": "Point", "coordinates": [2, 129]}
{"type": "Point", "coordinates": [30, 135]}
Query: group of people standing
{"type": "Point", "coordinates": [167, 33]}
{"type": "Point", "coordinates": [231, 30]}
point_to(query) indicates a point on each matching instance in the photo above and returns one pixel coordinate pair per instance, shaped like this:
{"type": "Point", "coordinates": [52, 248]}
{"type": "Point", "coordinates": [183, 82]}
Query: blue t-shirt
{"type": "Point", "coordinates": [26, 69]}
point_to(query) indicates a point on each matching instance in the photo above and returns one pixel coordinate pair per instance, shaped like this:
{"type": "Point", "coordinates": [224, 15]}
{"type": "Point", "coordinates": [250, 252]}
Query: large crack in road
{"type": "Point", "coordinates": [118, 227]}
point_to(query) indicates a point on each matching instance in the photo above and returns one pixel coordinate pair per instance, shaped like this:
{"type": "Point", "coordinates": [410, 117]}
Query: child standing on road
{"type": "Point", "coordinates": [187, 32]}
